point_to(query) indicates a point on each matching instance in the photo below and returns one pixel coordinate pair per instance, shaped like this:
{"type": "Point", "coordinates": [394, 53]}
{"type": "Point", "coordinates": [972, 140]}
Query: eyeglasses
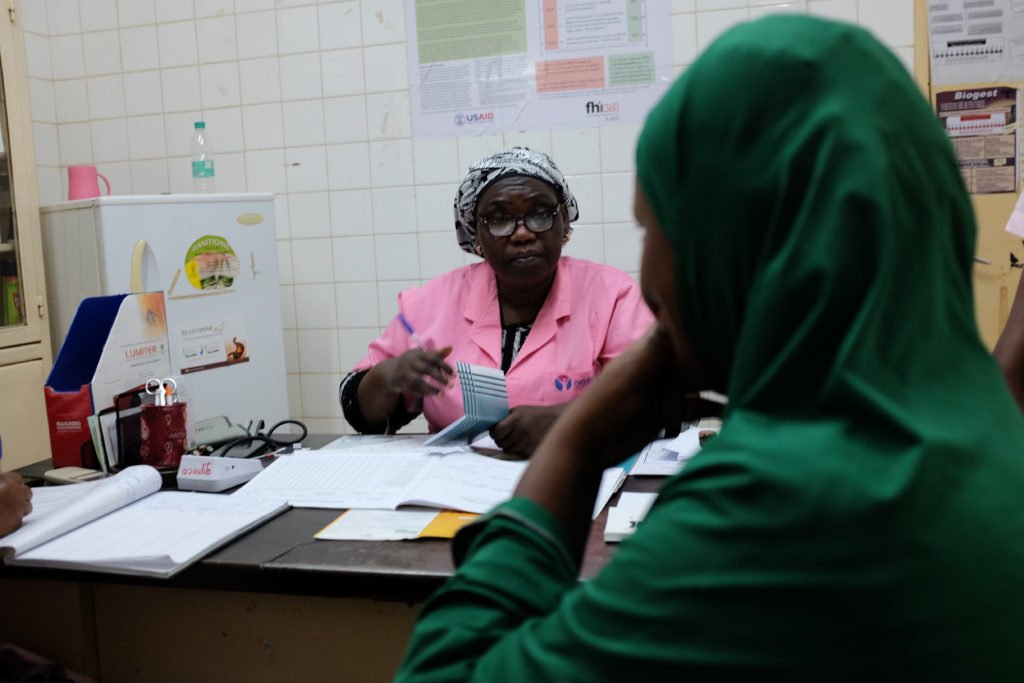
{"type": "Point", "coordinates": [503, 225]}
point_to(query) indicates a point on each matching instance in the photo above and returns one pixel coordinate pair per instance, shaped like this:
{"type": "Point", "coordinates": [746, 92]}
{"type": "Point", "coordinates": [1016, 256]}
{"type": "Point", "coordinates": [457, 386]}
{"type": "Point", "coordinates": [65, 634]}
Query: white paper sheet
{"type": "Point", "coordinates": [665, 457]}
{"type": "Point", "coordinates": [48, 499]}
{"type": "Point", "coordinates": [1015, 225]}
{"type": "Point", "coordinates": [337, 479]}
{"type": "Point", "coordinates": [976, 42]}
{"type": "Point", "coordinates": [611, 480]}
{"type": "Point", "coordinates": [624, 518]}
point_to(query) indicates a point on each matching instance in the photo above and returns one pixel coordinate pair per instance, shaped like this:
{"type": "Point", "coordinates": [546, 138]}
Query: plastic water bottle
{"type": "Point", "coordinates": [202, 160]}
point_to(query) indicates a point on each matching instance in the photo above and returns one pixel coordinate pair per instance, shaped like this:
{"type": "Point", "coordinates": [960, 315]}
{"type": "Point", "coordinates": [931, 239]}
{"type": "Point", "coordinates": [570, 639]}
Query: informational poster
{"type": "Point", "coordinates": [982, 122]}
{"type": "Point", "coordinates": [976, 41]}
{"type": "Point", "coordinates": [212, 344]}
{"type": "Point", "coordinates": [486, 66]}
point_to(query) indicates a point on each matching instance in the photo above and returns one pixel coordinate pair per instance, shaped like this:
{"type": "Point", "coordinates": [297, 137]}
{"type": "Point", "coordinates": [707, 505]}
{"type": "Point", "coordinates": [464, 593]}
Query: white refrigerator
{"type": "Point", "coordinates": [214, 257]}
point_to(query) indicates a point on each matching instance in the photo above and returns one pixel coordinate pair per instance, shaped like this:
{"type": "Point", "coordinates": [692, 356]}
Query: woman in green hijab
{"type": "Point", "coordinates": [808, 252]}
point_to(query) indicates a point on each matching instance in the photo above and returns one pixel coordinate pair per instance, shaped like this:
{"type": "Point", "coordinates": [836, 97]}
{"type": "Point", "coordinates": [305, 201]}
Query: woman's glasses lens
{"type": "Point", "coordinates": [501, 225]}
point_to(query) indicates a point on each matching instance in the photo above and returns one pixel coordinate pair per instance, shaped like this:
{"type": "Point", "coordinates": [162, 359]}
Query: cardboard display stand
{"type": "Point", "coordinates": [115, 343]}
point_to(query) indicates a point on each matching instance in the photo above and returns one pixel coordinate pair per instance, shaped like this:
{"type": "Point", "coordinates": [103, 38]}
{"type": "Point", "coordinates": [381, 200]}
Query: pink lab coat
{"type": "Point", "coordinates": [592, 314]}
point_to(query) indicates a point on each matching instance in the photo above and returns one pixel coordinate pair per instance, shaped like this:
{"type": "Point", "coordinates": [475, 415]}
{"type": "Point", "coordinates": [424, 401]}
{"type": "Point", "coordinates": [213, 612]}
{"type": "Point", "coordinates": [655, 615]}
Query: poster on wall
{"type": "Point", "coordinates": [982, 123]}
{"type": "Point", "coordinates": [976, 41]}
{"type": "Point", "coordinates": [485, 66]}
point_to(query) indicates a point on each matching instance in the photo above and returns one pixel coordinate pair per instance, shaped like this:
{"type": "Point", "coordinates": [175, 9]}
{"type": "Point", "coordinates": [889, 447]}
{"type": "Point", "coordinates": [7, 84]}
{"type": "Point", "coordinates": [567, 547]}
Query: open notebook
{"type": "Point", "coordinates": [126, 525]}
{"type": "Point", "coordinates": [409, 474]}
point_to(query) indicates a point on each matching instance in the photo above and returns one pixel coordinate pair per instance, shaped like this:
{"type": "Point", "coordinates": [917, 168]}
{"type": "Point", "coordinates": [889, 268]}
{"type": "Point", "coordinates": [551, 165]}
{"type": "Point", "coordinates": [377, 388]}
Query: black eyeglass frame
{"type": "Point", "coordinates": [526, 219]}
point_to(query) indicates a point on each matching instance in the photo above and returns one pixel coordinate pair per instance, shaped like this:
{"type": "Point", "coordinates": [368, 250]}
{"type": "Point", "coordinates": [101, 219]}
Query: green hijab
{"type": "Point", "coordinates": [822, 235]}
{"type": "Point", "coordinates": [868, 476]}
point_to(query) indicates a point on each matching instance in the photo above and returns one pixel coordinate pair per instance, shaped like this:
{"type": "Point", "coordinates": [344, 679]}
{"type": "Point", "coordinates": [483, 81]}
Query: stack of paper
{"type": "Point", "coordinates": [125, 525]}
{"type": "Point", "coordinates": [484, 399]}
{"type": "Point", "coordinates": [665, 457]}
{"type": "Point", "coordinates": [624, 518]}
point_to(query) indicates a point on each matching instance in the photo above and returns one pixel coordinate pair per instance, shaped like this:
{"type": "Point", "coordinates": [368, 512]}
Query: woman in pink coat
{"type": "Point", "coordinates": [549, 322]}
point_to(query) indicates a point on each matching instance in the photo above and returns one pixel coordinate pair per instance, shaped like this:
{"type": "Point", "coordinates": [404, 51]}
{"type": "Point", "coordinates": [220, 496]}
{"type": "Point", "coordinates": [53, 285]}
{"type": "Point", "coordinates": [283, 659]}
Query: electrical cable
{"type": "Point", "coordinates": [268, 444]}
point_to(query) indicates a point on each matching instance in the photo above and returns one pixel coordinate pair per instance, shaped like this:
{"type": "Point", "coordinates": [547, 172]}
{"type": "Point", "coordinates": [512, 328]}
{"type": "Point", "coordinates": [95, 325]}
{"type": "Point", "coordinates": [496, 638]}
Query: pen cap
{"type": "Point", "coordinates": [405, 323]}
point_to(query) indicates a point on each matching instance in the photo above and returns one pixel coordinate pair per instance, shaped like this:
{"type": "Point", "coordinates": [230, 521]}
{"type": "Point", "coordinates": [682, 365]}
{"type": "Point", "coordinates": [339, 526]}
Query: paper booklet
{"type": "Point", "coordinates": [448, 478]}
{"type": "Point", "coordinates": [624, 518]}
{"type": "Point", "coordinates": [126, 525]}
{"type": "Point", "coordinates": [484, 400]}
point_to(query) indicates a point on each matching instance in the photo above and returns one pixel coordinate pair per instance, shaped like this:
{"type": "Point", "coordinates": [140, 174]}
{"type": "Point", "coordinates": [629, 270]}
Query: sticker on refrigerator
{"type": "Point", "coordinates": [211, 264]}
{"type": "Point", "coordinates": [205, 346]}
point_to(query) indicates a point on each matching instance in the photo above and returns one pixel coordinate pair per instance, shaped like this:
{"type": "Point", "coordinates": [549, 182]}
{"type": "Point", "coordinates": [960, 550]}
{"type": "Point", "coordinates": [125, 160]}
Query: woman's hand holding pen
{"type": "Point", "coordinates": [416, 373]}
{"type": "Point", "coordinates": [411, 373]}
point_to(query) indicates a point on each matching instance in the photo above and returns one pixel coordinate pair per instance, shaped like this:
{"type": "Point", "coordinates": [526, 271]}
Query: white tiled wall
{"type": "Point", "coordinates": [309, 100]}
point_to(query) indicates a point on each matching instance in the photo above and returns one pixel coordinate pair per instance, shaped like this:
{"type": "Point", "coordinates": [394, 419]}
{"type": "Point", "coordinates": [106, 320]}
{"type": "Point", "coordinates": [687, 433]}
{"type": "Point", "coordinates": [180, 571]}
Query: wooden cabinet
{"type": "Point", "coordinates": [25, 355]}
{"type": "Point", "coordinates": [23, 413]}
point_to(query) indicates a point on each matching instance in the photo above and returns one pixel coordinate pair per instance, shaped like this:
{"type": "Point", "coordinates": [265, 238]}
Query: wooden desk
{"type": "Point", "coordinates": [273, 605]}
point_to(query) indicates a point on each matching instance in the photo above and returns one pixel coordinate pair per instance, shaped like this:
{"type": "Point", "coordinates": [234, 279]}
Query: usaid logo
{"type": "Point", "coordinates": [461, 119]}
{"type": "Point", "coordinates": [563, 382]}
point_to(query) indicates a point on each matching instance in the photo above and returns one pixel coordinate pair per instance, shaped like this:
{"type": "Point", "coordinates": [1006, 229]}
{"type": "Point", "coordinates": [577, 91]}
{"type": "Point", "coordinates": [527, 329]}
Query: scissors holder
{"type": "Point", "coordinates": [148, 433]}
{"type": "Point", "coordinates": [163, 434]}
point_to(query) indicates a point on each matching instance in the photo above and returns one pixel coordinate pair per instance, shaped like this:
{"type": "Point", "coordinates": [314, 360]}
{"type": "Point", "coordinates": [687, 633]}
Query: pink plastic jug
{"type": "Point", "coordinates": [83, 182]}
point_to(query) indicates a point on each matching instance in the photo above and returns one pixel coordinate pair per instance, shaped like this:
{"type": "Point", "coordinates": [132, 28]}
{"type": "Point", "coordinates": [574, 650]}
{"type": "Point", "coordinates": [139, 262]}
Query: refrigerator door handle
{"type": "Point", "coordinates": [136, 274]}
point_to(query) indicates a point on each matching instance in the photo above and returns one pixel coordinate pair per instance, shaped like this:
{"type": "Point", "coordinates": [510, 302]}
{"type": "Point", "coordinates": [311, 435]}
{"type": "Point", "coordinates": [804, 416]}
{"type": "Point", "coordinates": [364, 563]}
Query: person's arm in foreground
{"type": "Point", "coordinates": [1009, 351]}
{"type": "Point", "coordinates": [15, 502]}
{"type": "Point", "coordinates": [513, 611]}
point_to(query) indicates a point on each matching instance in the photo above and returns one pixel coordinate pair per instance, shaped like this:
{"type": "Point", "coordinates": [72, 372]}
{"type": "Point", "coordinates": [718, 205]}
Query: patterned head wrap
{"type": "Point", "coordinates": [512, 161]}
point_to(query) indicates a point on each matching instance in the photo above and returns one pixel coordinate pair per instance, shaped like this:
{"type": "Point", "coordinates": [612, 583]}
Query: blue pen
{"type": "Point", "coordinates": [412, 333]}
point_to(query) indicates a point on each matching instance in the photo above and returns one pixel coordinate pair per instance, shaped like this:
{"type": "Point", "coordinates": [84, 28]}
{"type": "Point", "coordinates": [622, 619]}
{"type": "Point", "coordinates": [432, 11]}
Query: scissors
{"type": "Point", "coordinates": [162, 390]}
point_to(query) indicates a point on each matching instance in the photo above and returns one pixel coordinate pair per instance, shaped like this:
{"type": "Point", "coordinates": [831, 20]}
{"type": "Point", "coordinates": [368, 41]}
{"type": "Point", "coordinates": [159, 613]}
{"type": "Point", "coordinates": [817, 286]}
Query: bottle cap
{"type": "Point", "coordinates": [200, 124]}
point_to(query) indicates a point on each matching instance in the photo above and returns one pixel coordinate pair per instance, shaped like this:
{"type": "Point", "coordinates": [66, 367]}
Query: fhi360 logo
{"type": "Point", "coordinates": [602, 108]}
{"type": "Point", "coordinates": [481, 117]}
